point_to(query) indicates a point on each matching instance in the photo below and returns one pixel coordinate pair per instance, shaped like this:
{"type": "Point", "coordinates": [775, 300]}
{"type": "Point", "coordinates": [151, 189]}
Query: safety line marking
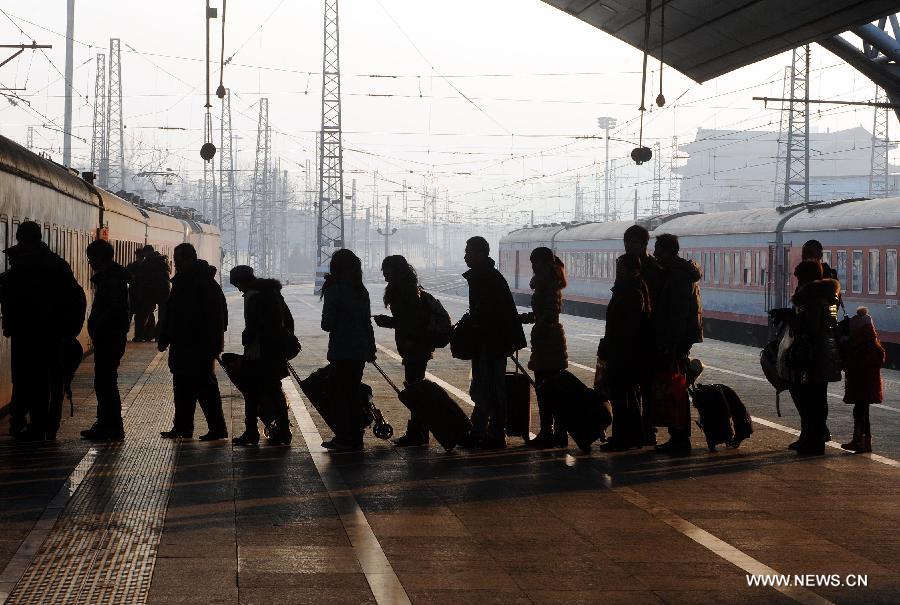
{"type": "Point", "coordinates": [21, 560]}
{"type": "Point", "coordinates": [449, 387]}
{"type": "Point", "coordinates": [384, 583]}
{"type": "Point", "coordinates": [716, 545]}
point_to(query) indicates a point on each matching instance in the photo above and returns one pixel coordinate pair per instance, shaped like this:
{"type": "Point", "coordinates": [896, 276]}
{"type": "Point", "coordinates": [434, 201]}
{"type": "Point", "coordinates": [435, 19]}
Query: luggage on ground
{"type": "Point", "coordinates": [439, 412]}
{"type": "Point", "coordinates": [315, 387]}
{"type": "Point", "coordinates": [723, 417]}
{"type": "Point", "coordinates": [669, 398]}
{"type": "Point", "coordinates": [518, 402]}
{"type": "Point", "coordinates": [584, 413]}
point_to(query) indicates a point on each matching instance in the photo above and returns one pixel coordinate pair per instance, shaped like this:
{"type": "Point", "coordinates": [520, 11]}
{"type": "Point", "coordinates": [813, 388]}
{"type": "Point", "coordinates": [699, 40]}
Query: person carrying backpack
{"type": "Point", "coordinates": [410, 321]}
{"type": "Point", "coordinates": [268, 331]}
{"type": "Point", "coordinates": [548, 340]}
{"type": "Point", "coordinates": [862, 374]}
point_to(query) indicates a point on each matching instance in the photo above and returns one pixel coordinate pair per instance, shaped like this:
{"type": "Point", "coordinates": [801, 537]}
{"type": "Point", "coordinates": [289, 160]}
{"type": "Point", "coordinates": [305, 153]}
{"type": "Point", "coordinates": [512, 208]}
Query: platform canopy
{"type": "Point", "coordinates": [707, 38]}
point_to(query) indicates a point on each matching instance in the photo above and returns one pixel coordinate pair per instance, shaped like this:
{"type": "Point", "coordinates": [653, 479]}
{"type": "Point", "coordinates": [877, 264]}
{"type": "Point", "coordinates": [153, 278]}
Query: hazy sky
{"type": "Point", "coordinates": [535, 78]}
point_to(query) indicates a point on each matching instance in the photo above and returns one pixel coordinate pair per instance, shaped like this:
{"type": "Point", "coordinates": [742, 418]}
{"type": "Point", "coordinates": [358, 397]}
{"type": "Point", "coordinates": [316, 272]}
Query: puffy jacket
{"type": "Point", "coordinates": [34, 292]}
{"type": "Point", "coordinates": [493, 311]}
{"type": "Point", "coordinates": [624, 344]}
{"type": "Point", "coordinates": [193, 320]}
{"type": "Point", "coordinates": [862, 370]}
{"type": "Point", "coordinates": [677, 309]}
{"type": "Point", "coordinates": [110, 319]}
{"type": "Point", "coordinates": [266, 319]}
{"type": "Point", "coordinates": [816, 355]}
{"type": "Point", "coordinates": [153, 277]}
{"type": "Point", "coordinates": [548, 337]}
{"type": "Point", "coordinates": [410, 322]}
{"type": "Point", "coordinates": [346, 316]}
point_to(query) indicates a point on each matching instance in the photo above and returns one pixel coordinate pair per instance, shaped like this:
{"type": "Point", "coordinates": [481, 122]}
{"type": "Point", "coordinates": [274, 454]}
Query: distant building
{"type": "Point", "coordinates": [736, 170]}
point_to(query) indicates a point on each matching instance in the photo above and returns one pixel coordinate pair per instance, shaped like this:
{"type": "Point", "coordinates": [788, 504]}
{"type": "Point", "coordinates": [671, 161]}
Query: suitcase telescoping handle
{"type": "Point", "coordinates": [515, 359]}
{"type": "Point", "coordinates": [386, 377]}
{"type": "Point", "coordinates": [293, 373]}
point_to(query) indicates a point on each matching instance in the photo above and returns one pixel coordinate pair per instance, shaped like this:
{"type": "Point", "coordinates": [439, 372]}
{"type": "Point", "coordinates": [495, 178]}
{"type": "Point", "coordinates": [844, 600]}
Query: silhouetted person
{"type": "Point", "coordinates": [108, 325]}
{"type": "Point", "coordinates": [37, 306]}
{"type": "Point", "coordinates": [624, 348]}
{"type": "Point", "coordinates": [266, 319]}
{"type": "Point", "coordinates": [346, 315]}
{"type": "Point", "coordinates": [815, 359]}
{"type": "Point", "coordinates": [863, 385]}
{"type": "Point", "coordinates": [677, 325]}
{"type": "Point", "coordinates": [548, 340]}
{"type": "Point", "coordinates": [136, 295]}
{"type": "Point", "coordinates": [635, 239]}
{"type": "Point", "coordinates": [409, 320]}
{"type": "Point", "coordinates": [192, 326]}
{"type": "Point", "coordinates": [812, 250]}
{"type": "Point", "coordinates": [152, 284]}
{"type": "Point", "coordinates": [498, 332]}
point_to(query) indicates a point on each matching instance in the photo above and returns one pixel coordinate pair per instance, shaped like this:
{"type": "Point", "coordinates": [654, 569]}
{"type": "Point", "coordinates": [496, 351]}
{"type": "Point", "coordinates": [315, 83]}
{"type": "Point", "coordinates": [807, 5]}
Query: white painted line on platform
{"type": "Point", "coordinates": [383, 581]}
{"type": "Point", "coordinates": [446, 385]}
{"type": "Point", "coordinates": [21, 560]}
{"type": "Point", "coordinates": [718, 546]}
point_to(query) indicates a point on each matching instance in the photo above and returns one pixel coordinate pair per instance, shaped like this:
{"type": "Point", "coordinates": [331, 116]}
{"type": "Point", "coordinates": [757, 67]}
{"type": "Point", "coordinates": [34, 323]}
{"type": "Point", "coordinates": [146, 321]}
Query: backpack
{"type": "Point", "coordinates": [290, 344]}
{"type": "Point", "coordinates": [74, 309]}
{"type": "Point", "coordinates": [437, 323]}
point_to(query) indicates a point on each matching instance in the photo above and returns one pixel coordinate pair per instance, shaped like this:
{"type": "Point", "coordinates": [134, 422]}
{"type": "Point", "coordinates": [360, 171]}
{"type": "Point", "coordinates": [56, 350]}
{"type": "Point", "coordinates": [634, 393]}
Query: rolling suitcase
{"type": "Point", "coordinates": [315, 387]}
{"type": "Point", "coordinates": [444, 418]}
{"type": "Point", "coordinates": [723, 416]}
{"type": "Point", "coordinates": [518, 402]}
{"type": "Point", "coordinates": [583, 412]}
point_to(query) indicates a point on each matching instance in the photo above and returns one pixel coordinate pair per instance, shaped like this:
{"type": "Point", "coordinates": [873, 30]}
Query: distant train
{"type": "Point", "coordinates": [73, 212]}
{"type": "Point", "coordinates": [747, 257]}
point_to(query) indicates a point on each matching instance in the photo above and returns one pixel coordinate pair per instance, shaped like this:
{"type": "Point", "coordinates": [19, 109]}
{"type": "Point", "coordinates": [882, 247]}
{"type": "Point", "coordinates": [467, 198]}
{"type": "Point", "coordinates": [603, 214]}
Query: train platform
{"type": "Point", "coordinates": [178, 522]}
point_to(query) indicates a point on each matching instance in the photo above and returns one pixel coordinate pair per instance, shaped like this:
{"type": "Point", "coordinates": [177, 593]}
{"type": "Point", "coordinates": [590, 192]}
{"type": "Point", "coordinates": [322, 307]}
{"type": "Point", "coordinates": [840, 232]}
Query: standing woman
{"type": "Point", "coordinates": [351, 343]}
{"type": "Point", "coordinates": [548, 339]}
{"type": "Point", "coordinates": [409, 320]}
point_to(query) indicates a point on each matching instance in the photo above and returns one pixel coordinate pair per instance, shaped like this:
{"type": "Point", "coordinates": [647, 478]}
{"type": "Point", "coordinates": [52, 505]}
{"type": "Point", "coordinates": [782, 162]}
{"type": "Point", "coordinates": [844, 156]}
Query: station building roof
{"type": "Point", "coordinates": [705, 39]}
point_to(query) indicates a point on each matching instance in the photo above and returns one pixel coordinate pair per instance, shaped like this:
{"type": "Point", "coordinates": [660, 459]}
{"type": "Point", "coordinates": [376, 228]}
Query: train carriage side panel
{"type": "Point", "coordinates": [164, 232]}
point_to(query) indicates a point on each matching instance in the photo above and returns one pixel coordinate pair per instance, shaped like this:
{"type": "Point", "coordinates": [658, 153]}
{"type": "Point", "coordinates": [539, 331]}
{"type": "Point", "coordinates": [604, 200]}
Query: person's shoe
{"type": "Point", "coordinates": [175, 434]}
{"type": "Point", "coordinates": [336, 445]}
{"type": "Point", "coordinates": [92, 432]}
{"type": "Point", "coordinates": [246, 439]}
{"type": "Point", "coordinates": [827, 434]}
{"type": "Point", "coordinates": [561, 439]}
{"type": "Point", "coordinates": [650, 440]}
{"type": "Point", "coordinates": [137, 339]}
{"type": "Point", "coordinates": [115, 435]}
{"type": "Point", "coordinates": [98, 433]}
{"type": "Point", "coordinates": [470, 441]}
{"type": "Point", "coordinates": [410, 440]}
{"type": "Point", "coordinates": [794, 445]}
{"type": "Point", "coordinates": [280, 437]}
{"type": "Point", "coordinates": [542, 441]}
{"type": "Point", "coordinates": [860, 444]}
{"type": "Point", "coordinates": [613, 446]}
{"type": "Point", "coordinates": [675, 447]}
{"type": "Point", "coordinates": [492, 443]}
{"type": "Point", "coordinates": [29, 433]}
{"type": "Point", "coordinates": [213, 436]}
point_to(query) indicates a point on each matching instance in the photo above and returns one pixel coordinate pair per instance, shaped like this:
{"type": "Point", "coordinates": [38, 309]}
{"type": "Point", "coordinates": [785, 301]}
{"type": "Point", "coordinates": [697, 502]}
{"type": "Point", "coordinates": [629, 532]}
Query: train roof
{"type": "Point", "coordinates": [17, 160]}
{"type": "Point", "coordinates": [847, 215]}
{"type": "Point", "coordinates": [757, 220]}
{"type": "Point", "coordinates": [157, 220]}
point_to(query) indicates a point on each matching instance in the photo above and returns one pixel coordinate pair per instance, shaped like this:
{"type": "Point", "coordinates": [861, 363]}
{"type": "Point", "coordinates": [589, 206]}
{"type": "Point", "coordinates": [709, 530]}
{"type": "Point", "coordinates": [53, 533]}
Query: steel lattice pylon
{"type": "Point", "coordinates": [330, 235]}
{"type": "Point", "coordinates": [115, 128]}
{"type": "Point", "coordinates": [879, 185]}
{"type": "Point", "coordinates": [98, 134]}
{"type": "Point", "coordinates": [796, 165]}
{"type": "Point", "coordinates": [227, 222]}
{"type": "Point", "coordinates": [256, 228]}
{"type": "Point", "coordinates": [781, 151]}
{"type": "Point", "coordinates": [281, 237]}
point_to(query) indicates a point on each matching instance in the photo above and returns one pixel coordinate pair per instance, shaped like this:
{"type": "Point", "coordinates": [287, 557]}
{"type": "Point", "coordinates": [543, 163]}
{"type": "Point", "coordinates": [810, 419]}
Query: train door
{"type": "Point", "coordinates": [516, 275]}
{"type": "Point", "coordinates": [778, 286]}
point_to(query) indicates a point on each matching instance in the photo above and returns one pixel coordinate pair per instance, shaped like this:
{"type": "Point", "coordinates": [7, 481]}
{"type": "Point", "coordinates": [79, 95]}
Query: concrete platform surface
{"type": "Point", "coordinates": [155, 521]}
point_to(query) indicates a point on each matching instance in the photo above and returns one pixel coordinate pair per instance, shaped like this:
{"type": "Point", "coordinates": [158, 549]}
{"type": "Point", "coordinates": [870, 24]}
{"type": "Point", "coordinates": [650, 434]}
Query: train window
{"type": "Point", "coordinates": [715, 267]}
{"type": "Point", "coordinates": [726, 273]}
{"type": "Point", "coordinates": [736, 268]}
{"type": "Point", "coordinates": [874, 271]}
{"type": "Point", "coordinates": [706, 267]}
{"type": "Point", "coordinates": [47, 234]}
{"type": "Point", "coordinates": [890, 272]}
{"type": "Point", "coordinates": [759, 270]}
{"type": "Point", "coordinates": [842, 268]}
{"type": "Point", "coordinates": [826, 257]}
{"type": "Point", "coordinates": [748, 268]}
{"type": "Point", "coordinates": [857, 271]}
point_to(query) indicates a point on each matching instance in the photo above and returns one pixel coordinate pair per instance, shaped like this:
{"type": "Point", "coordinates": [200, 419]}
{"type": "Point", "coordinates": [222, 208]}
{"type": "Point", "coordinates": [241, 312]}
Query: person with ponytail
{"type": "Point", "coordinates": [351, 343]}
{"type": "Point", "coordinates": [548, 339]}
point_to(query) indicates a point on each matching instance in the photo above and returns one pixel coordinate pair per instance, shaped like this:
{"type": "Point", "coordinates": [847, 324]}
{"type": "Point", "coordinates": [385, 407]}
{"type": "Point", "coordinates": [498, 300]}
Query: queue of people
{"type": "Point", "coordinates": [653, 319]}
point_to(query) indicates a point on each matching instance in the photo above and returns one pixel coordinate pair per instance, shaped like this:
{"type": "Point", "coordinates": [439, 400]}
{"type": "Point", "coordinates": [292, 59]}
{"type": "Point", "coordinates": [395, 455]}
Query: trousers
{"type": "Point", "coordinates": [414, 371]}
{"type": "Point", "coordinates": [107, 356]}
{"type": "Point", "coordinates": [488, 391]}
{"type": "Point", "coordinates": [263, 398]}
{"type": "Point", "coordinates": [191, 388]}
{"type": "Point", "coordinates": [811, 400]}
{"type": "Point", "coordinates": [344, 380]}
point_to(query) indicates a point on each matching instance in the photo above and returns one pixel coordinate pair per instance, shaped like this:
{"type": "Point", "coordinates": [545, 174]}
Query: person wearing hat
{"type": "Point", "coordinates": [266, 321]}
{"type": "Point", "coordinates": [37, 308]}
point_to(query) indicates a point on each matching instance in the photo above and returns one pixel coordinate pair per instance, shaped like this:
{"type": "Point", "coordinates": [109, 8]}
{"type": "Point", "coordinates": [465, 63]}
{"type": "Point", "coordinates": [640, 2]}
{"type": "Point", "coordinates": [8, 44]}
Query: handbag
{"type": "Point", "coordinates": [462, 338]}
{"type": "Point", "coordinates": [670, 401]}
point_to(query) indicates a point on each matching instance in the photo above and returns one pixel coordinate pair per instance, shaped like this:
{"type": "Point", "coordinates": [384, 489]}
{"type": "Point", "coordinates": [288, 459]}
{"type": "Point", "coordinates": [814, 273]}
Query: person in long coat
{"type": "Point", "coordinates": [192, 325]}
{"type": "Point", "coordinates": [623, 348]}
{"type": "Point", "coordinates": [863, 384]}
{"type": "Point", "coordinates": [409, 320]}
{"type": "Point", "coordinates": [549, 354]}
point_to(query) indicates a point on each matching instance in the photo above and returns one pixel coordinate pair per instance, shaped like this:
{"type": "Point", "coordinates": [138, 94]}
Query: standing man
{"type": "Point", "coordinates": [193, 324]}
{"type": "Point", "coordinates": [499, 333]}
{"type": "Point", "coordinates": [677, 320]}
{"type": "Point", "coordinates": [108, 328]}
{"type": "Point", "coordinates": [154, 277]}
{"type": "Point", "coordinates": [636, 238]}
{"type": "Point", "coordinates": [37, 306]}
{"type": "Point", "coordinates": [137, 296]}
{"type": "Point", "coordinates": [267, 321]}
